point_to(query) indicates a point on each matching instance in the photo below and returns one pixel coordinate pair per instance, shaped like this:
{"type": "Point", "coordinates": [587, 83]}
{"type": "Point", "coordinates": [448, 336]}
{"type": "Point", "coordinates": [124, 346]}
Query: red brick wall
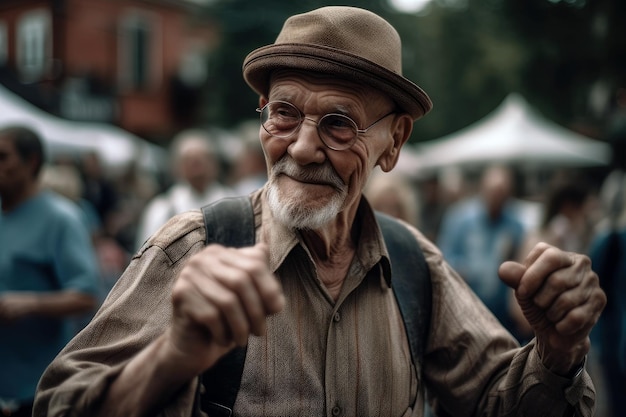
{"type": "Point", "coordinates": [85, 39]}
{"type": "Point", "coordinates": [91, 44]}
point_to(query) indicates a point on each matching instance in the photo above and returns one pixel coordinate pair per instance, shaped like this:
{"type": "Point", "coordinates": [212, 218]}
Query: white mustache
{"type": "Point", "coordinates": [324, 173]}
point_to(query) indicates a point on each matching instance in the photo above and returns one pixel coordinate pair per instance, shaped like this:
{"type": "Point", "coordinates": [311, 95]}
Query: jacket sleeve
{"type": "Point", "coordinates": [474, 367]}
{"type": "Point", "coordinates": [137, 310]}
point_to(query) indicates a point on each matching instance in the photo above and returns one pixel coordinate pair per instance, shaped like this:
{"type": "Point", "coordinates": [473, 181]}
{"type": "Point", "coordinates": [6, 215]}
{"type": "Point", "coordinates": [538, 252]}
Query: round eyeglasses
{"type": "Point", "coordinates": [338, 132]}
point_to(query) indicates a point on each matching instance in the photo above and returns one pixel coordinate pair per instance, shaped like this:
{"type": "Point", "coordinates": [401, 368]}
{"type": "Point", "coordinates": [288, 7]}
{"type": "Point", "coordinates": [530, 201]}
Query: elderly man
{"type": "Point", "coordinates": [312, 299]}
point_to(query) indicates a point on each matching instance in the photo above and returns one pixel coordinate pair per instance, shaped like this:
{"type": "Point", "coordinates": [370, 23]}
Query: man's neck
{"type": "Point", "coordinates": [332, 258]}
{"type": "Point", "coordinates": [11, 201]}
{"type": "Point", "coordinates": [332, 249]}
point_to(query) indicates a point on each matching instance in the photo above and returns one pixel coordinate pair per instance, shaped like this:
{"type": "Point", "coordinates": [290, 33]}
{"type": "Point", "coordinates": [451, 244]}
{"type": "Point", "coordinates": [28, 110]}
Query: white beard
{"type": "Point", "coordinates": [294, 212]}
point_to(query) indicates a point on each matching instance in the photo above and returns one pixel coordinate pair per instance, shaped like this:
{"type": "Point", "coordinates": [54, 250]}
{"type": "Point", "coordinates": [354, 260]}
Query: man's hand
{"type": "Point", "coordinates": [222, 296]}
{"type": "Point", "coordinates": [562, 300]}
{"type": "Point", "coordinates": [16, 305]}
{"type": "Point", "coordinates": [63, 303]}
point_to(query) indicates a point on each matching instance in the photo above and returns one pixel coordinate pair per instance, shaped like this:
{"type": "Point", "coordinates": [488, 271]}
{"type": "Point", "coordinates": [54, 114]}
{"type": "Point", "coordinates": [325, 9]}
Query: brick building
{"type": "Point", "coordinates": [138, 64]}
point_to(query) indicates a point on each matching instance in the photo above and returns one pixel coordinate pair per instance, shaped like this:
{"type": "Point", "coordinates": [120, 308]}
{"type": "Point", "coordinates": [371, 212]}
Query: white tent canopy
{"type": "Point", "coordinates": [115, 146]}
{"type": "Point", "coordinates": [513, 133]}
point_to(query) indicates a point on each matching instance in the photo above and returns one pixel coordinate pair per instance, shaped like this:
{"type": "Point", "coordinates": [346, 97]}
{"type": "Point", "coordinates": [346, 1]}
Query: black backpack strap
{"type": "Point", "coordinates": [229, 222]}
{"type": "Point", "coordinates": [410, 282]}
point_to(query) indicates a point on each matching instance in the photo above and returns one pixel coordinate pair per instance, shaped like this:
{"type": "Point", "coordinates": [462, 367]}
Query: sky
{"type": "Point", "coordinates": [409, 6]}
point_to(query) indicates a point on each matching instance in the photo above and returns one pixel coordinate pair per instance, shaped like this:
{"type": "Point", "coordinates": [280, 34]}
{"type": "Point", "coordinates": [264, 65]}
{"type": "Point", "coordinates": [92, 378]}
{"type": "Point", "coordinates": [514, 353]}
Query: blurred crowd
{"type": "Point", "coordinates": [122, 209]}
{"type": "Point", "coordinates": [477, 220]}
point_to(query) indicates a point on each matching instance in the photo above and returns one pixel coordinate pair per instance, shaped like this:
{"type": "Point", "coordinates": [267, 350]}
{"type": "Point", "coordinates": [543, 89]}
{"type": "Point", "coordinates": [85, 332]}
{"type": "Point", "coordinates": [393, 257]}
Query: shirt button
{"type": "Point", "coordinates": [337, 317]}
{"type": "Point", "coordinates": [336, 411]}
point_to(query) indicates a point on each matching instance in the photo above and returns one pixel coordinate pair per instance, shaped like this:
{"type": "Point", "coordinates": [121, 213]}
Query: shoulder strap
{"type": "Point", "coordinates": [410, 282]}
{"type": "Point", "coordinates": [230, 222]}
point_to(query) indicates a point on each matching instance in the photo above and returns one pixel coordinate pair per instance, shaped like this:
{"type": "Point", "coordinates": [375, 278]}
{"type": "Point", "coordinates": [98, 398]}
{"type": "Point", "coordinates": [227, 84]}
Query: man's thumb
{"type": "Point", "coordinates": [511, 273]}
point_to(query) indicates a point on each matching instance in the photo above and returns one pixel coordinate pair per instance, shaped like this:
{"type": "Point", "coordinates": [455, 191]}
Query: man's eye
{"type": "Point", "coordinates": [284, 111]}
{"type": "Point", "coordinates": [338, 122]}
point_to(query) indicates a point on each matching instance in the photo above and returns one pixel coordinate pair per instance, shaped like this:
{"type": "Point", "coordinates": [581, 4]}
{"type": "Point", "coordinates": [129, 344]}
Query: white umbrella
{"type": "Point", "coordinates": [114, 145]}
{"type": "Point", "coordinates": [513, 133]}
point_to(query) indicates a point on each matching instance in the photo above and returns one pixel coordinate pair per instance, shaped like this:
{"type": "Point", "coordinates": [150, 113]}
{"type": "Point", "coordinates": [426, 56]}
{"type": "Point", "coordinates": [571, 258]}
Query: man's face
{"type": "Point", "coordinates": [496, 190]}
{"type": "Point", "coordinates": [14, 172]}
{"type": "Point", "coordinates": [309, 184]}
{"type": "Point", "coordinates": [198, 168]}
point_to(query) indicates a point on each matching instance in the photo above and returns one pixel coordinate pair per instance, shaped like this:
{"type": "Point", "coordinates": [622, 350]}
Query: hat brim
{"type": "Point", "coordinates": [260, 63]}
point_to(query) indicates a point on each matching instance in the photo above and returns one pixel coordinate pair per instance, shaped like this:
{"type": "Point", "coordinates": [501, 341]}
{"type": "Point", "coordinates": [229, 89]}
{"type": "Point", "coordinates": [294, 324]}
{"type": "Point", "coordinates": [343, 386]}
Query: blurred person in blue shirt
{"type": "Point", "coordinates": [48, 270]}
{"type": "Point", "coordinates": [479, 233]}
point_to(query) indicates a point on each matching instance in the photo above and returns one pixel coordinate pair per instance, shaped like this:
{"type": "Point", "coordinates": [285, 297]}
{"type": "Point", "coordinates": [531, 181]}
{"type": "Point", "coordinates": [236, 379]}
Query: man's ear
{"type": "Point", "coordinates": [262, 101]}
{"type": "Point", "coordinates": [401, 129]}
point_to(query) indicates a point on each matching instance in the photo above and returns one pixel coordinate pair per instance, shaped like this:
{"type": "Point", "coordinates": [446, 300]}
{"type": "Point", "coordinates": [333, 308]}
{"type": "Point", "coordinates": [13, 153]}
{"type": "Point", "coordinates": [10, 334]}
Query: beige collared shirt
{"type": "Point", "coordinates": [320, 357]}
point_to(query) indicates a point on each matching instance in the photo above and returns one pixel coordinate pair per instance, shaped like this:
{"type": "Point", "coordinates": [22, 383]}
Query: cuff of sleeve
{"type": "Point", "coordinates": [574, 388]}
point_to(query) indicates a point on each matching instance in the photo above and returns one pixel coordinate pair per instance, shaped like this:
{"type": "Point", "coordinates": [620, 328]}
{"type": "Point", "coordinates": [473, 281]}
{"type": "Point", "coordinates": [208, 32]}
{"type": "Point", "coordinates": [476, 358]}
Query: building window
{"type": "Point", "coordinates": [193, 66]}
{"type": "Point", "coordinates": [34, 45]}
{"type": "Point", "coordinates": [4, 44]}
{"type": "Point", "coordinates": [139, 46]}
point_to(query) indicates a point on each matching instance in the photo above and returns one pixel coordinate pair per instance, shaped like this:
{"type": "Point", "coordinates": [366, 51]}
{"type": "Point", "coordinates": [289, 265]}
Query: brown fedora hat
{"type": "Point", "coordinates": [346, 42]}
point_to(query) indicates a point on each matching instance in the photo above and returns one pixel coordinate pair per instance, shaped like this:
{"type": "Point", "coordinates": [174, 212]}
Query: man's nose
{"type": "Point", "coordinates": [307, 146]}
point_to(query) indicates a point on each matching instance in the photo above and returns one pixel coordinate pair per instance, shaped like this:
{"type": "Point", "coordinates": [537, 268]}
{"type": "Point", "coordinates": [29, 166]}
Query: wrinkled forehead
{"type": "Point", "coordinates": [321, 81]}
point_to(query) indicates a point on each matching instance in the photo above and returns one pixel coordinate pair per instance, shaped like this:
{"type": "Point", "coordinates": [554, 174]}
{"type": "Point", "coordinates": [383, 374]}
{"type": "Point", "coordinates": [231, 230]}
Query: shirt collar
{"type": "Point", "coordinates": [371, 249]}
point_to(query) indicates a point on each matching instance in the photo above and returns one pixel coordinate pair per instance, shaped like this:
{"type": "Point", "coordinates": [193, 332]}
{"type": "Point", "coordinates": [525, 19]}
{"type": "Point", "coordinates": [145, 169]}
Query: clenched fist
{"type": "Point", "coordinates": [222, 296]}
{"type": "Point", "coordinates": [561, 298]}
